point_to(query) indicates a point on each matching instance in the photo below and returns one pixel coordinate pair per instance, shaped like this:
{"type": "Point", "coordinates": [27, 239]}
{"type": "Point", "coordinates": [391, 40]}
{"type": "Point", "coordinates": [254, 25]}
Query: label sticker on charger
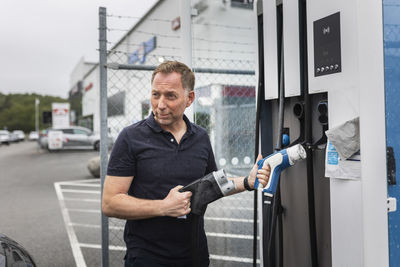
{"type": "Point", "coordinates": [332, 156]}
{"type": "Point", "coordinates": [335, 167]}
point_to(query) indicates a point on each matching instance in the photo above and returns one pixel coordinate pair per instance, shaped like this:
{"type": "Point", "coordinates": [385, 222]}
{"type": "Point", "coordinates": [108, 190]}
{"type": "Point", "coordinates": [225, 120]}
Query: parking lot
{"type": "Point", "coordinates": [52, 208]}
{"type": "Point", "coordinates": [80, 206]}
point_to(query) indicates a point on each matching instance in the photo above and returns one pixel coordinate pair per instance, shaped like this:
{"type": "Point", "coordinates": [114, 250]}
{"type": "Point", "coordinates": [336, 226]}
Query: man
{"type": "Point", "coordinates": [151, 160]}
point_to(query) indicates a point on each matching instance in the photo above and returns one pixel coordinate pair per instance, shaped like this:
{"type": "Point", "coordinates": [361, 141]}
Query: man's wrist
{"type": "Point", "coordinates": [246, 184]}
{"type": "Point", "coordinates": [161, 208]}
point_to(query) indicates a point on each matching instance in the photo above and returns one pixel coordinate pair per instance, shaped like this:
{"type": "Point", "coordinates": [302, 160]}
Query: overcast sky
{"type": "Point", "coordinates": [41, 41]}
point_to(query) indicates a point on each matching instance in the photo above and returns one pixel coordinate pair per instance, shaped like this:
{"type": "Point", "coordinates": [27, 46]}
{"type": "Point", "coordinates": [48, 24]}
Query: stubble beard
{"type": "Point", "coordinates": [168, 121]}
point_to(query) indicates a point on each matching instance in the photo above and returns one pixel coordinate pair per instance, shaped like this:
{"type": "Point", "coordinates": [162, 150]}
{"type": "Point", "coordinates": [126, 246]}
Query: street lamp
{"type": "Point", "coordinates": [37, 102]}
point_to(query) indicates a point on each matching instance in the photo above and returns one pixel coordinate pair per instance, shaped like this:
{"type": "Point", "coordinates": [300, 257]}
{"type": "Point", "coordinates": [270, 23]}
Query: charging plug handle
{"type": "Point", "coordinates": [207, 189]}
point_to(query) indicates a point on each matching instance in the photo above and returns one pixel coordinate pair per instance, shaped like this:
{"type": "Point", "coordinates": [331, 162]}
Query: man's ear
{"type": "Point", "coordinates": [191, 98]}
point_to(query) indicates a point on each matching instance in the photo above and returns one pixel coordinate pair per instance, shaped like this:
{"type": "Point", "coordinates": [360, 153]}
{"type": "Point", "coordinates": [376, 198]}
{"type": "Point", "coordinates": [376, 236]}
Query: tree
{"type": "Point", "coordinates": [17, 111]}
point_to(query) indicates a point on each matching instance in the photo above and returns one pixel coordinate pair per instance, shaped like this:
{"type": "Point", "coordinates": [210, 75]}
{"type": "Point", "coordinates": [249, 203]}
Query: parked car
{"type": "Point", "coordinates": [20, 135]}
{"type": "Point", "coordinates": [5, 137]}
{"type": "Point", "coordinates": [13, 254]}
{"type": "Point", "coordinates": [73, 137]}
{"type": "Point", "coordinates": [13, 137]}
{"type": "Point", "coordinates": [33, 135]}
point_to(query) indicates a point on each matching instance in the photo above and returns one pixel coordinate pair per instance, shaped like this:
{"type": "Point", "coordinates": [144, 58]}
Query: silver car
{"type": "Point", "coordinates": [74, 137]}
{"type": "Point", "coordinates": [5, 137]}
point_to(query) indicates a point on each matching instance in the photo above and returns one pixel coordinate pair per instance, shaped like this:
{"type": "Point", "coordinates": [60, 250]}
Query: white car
{"type": "Point", "coordinates": [33, 136]}
{"type": "Point", "coordinates": [20, 135]}
{"type": "Point", "coordinates": [5, 137]}
{"type": "Point", "coordinates": [73, 137]}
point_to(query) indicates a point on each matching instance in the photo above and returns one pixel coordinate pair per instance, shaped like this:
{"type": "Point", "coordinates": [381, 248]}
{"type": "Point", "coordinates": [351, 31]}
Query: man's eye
{"type": "Point", "coordinates": [171, 96]}
{"type": "Point", "coordinates": [155, 94]}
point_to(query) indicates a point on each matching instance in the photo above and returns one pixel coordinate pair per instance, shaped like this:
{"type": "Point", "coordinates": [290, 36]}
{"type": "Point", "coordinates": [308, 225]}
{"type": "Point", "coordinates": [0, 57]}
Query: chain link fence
{"type": "Point", "coordinates": [225, 107]}
{"type": "Point", "coordinates": [128, 102]}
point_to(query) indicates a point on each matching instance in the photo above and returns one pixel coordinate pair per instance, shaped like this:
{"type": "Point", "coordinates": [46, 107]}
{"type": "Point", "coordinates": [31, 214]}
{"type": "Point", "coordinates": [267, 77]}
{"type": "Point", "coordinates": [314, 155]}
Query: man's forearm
{"type": "Point", "coordinates": [127, 207]}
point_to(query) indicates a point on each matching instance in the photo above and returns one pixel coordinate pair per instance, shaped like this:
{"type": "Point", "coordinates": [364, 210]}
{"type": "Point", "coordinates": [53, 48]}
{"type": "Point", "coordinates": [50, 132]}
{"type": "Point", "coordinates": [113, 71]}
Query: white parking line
{"type": "Point", "coordinates": [85, 210]}
{"type": "Point", "coordinates": [83, 199]}
{"type": "Point", "coordinates": [229, 235]}
{"type": "Point", "coordinates": [227, 219]}
{"type": "Point", "coordinates": [76, 251]}
{"type": "Point", "coordinates": [80, 191]}
{"type": "Point", "coordinates": [84, 185]}
{"type": "Point", "coordinates": [79, 182]}
{"type": "Point", "coordinates": [232, 208]}
{"type": "Point", "coordinates": [96, 226]}
{"type": "Point", "coordinates": [110, 247]}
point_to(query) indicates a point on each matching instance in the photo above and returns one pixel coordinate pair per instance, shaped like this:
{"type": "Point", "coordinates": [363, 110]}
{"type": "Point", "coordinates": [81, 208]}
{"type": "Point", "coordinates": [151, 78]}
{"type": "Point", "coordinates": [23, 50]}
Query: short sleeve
{"type": "Point", "coordinates": [122, 159]}
{"type": "Point", "coordinates": [211, 165]}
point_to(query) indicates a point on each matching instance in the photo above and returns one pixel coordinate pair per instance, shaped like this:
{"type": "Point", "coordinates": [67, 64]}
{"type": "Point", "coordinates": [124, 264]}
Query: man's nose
{"type": "Point", "coordinates": [161, 103]}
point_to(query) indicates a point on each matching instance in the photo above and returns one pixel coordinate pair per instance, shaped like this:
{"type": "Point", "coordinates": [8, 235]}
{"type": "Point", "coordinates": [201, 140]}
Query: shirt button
{"type": "Point", "coordinates": [172, 139]}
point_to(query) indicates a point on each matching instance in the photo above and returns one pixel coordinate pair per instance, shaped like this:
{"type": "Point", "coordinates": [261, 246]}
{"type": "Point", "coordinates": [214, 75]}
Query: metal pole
{"type": "Point", "coordinates": [186, 30]}
{"type": "Point", "coordinates": [117, 66]}
{"type": "Point", "coordinates": [186, 37]}
{"type": "Point", "coordinates": [37, 102]}
{"type": "Point", "coordinates": [103, 128]}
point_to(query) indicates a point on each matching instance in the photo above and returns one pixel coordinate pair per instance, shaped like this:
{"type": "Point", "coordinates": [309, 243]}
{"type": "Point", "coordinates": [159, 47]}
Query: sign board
{"type": "Point", "coordinates": [60, 115]}
{"type": "Point", "coordinates": [55, 140]}
{"type": "Point", "coordinates": [140, 54]}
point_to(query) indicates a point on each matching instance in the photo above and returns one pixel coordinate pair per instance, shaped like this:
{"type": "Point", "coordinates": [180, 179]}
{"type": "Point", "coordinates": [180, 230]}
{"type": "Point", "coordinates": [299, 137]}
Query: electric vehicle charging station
{"type": "Point", "coordinates": [321, 64]}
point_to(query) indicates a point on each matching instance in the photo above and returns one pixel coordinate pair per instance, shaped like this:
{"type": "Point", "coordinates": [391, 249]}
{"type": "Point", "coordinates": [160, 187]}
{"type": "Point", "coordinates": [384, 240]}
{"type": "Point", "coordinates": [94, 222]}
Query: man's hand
{"type": "Point", "coordinates": [262, 174]}
{"type": "Point", "coordinates": [176, 204]}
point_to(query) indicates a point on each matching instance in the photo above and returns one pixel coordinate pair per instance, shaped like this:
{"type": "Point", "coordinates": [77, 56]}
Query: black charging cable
{"type": "Point", "coordinates": [276, 203]}
{"type": "Point", "coordinates": [308, 133]}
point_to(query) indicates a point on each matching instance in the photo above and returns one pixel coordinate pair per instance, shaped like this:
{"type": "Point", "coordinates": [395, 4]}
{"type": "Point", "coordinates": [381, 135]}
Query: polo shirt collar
{"type": "Point", "coordinates": [151, 122]}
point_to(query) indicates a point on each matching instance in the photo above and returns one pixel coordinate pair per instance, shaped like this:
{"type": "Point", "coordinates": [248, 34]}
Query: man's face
{"type": "Point", "coordinates": [169, 99]}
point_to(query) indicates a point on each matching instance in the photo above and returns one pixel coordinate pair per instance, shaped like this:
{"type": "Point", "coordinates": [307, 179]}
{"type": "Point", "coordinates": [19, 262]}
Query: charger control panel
{"type": "Point", "coordinates": [327, 49]}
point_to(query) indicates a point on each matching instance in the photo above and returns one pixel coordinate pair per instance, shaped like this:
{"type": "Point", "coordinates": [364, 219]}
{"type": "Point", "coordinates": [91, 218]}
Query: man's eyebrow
{"type": "Point", "coordinates": [165, 91]}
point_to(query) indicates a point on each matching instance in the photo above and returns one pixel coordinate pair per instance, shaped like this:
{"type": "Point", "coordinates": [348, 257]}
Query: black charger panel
{"type": "Point", "coordinates": [327, 49]}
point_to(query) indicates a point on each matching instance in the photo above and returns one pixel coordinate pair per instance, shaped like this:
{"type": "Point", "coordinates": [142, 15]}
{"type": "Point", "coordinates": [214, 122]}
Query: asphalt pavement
{"type": "Point", "coordinates": [29, 208]}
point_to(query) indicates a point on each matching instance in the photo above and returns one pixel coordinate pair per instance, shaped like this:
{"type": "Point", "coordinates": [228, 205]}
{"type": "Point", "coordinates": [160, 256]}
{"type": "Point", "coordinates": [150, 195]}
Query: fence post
{"type": "Point", "coordinates": [186, 37]}
{"type": "Point", "coordinates": [103, 128]}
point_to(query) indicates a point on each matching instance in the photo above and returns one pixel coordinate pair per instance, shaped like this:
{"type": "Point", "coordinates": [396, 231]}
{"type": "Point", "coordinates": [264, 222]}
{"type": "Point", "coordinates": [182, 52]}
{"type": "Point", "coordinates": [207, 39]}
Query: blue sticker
{"type": "Point", "coordinates": [333, 158]}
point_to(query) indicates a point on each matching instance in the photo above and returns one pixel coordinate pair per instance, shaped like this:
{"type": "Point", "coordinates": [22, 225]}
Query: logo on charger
{"type": "Point", "coordinates": [326, 30]}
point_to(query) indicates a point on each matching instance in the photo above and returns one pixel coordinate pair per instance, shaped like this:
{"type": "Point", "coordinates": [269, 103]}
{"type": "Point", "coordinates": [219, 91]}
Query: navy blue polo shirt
{"type": "Point", "coordinates": [158, 163]}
